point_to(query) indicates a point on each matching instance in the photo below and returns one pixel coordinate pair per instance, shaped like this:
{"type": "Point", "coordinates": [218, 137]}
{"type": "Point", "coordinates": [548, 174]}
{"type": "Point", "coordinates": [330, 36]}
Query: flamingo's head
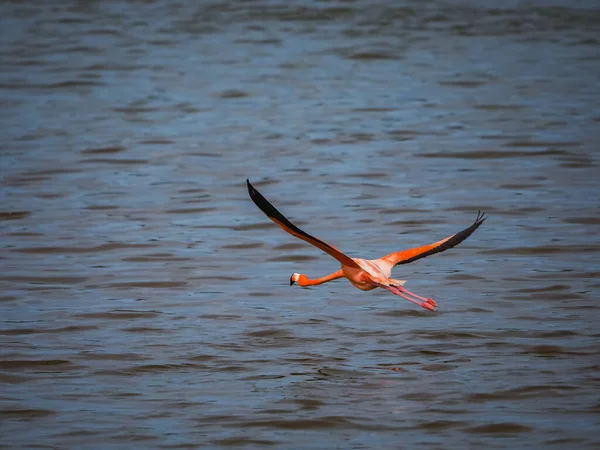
{"type": "Point", "coordinates": [294, 278]}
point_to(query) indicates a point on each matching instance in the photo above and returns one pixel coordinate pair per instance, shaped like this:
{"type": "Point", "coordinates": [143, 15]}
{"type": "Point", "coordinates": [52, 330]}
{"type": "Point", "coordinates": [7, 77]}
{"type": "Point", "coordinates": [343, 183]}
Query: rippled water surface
{"type": "Point", "coordinates": [145, 300]}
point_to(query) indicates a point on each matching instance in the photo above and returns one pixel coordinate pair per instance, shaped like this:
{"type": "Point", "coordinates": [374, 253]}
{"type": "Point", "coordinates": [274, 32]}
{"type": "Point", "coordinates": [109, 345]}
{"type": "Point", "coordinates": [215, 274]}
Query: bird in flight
{"type": "Point", "coordinates": [365, 274]}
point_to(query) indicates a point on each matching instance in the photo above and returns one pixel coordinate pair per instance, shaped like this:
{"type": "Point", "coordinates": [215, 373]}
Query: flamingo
{"type": "Point", "coordinates": [364, 274]}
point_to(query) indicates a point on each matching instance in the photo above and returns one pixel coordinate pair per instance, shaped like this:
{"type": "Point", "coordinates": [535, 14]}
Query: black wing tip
{"type": "Point", "coordinates": [480, 217]}
{"type": "Point", "coordinates": [260, 201]}
{"type": "Point", "coordinates": [254, 194]}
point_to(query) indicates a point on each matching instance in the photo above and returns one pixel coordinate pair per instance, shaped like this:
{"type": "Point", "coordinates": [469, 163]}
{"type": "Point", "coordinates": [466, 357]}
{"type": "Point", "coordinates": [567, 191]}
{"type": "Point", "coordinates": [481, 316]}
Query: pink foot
{"type": "Point", "coordinates": [428, 306]}
{"type": "Point", "coordinates": [431, 302]}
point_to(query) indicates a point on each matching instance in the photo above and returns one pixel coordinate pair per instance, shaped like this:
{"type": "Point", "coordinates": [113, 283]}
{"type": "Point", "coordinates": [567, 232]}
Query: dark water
{"type": "Point", "coordinates": [145, 300]}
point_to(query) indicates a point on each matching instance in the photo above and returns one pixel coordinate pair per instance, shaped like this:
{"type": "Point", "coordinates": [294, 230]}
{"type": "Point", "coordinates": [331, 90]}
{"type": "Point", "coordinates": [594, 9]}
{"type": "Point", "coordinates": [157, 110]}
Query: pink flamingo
{"type": "Point", "coordinates": [364, 274]}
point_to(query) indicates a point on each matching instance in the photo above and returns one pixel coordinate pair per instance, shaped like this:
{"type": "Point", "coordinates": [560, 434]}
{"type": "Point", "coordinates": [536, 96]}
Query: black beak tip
{"type": "Point", "coordinates": [292, 280]}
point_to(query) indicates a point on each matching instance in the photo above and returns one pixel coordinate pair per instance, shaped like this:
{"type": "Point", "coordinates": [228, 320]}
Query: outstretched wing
{"type": "Point", "coordinates": [288, 226]}
{"type": "Point", "coordinates": [410, 255]}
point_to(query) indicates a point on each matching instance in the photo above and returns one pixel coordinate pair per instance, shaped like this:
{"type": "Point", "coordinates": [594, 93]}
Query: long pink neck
{"type": "Point", "coordinates": [304, 281]}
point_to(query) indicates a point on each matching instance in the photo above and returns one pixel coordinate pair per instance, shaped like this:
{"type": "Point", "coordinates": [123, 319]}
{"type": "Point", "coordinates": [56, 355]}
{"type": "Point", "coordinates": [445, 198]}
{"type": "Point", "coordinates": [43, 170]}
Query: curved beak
{"type": "Point", "coordinates": [292, 280]}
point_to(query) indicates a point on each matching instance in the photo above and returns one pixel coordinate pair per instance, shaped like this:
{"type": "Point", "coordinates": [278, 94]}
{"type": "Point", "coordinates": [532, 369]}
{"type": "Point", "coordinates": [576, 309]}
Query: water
{"type": "Point", "coordinates": [145, 300]}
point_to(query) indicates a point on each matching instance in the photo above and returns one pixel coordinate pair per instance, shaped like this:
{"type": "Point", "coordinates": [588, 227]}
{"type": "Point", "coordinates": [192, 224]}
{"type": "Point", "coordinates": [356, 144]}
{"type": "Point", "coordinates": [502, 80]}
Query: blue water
{"type": "Point", "coordinates": [145, 300]}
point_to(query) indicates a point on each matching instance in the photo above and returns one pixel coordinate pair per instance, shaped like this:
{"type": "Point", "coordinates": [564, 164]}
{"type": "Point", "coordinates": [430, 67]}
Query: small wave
{"type": "Point", "coordinates": [499, 428]}
{"type": "Point", "coordinates": [438, 367]}
{"type": "Point", "coordinates": [268, 333]}
{"type": "Point", "coordinates": [149, 284]}
{"type": "Point", "coordinates": [534, 143]}
{"type": "Point", "coordinates": [549, 351]}
{"type": "Point", "coordinates": [326, 422]}
{"type": "Point", "coordinates": [543, 250]}
{"type": "Point", "coordinates": [441, 425]}
{"type": "Point", "coordinates": [522, 392]}
{"type": "Point", "coordinates": [37, 365]}
{"type": "Point", "coordinates": [102, 150]}
{"type": "Point", "coordinates": [245, 246]}
{"type": "Point", "coordinates": [69, 329]}
{"type": "Point", "coordinates": [13, 215]}
{"type": "Point", "coordinates": [153, 330]}
{"type": "Point", "coordinates": [159, 257]}
{"type": "Point", "coordinates": [493, 154]}
{"type": "Point", "coordinates": [243, 442]}
{"type": "Point", "coordinates": [232, 93]}
{"type": "Point", "coordinates": [44, 280]}
{"type": "Point", "coordinates": [190, 210]}
{"type": "Point", "coordinates": [25, 414]}
{"type": "Point", "coordinates": [123, 162]}
{"type": "Point", "coordinates": [403, 313]}
{"type": "Point", "coordinates": [293, 258]}
{"type": "Point", "coordinates": [99, 248]}
{"type": "Point", "coordinates": [464, 83]}
{"type": "Point", "coordinates": [118, 315]}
